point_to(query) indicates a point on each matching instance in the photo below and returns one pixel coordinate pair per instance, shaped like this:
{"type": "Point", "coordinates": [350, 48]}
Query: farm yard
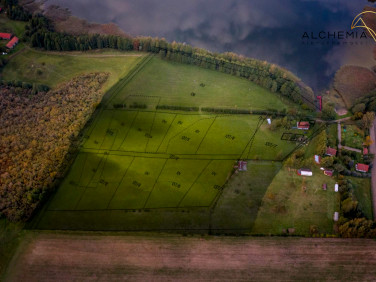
{"type": "Point", "coordinates": [145, 167]}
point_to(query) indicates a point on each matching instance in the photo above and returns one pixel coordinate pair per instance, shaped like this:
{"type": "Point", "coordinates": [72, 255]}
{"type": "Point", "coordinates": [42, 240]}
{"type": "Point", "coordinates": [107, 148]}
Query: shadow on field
{"type": "Point", "coordinates": [238, 206]}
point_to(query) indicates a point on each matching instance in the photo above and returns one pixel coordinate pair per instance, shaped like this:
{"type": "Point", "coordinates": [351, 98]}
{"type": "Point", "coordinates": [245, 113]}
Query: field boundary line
{"type": "Point", "coordinates": [193, 183]}
{"type": "Point", "coordinates": [164, 137]}
{"type": "Point", "coordinates": [206, 133]}
{"type": "Point", "coordinates": [121, 180]}
{"type": "Point", "coordinates": [155, 183]}
{"type": "Point", "coordinates": [130, 127]}
{"type": "Point", "coordinates": [152, 125]}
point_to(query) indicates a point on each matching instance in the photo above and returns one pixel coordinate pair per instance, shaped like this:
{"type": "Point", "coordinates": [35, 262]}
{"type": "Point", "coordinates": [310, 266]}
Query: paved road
{"type": "Point", "coordinates": [373, 171]}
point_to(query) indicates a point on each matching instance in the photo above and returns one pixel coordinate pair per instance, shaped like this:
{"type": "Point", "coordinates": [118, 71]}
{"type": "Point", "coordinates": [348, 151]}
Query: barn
{"type": "Point", "coordinates": [12, 42]}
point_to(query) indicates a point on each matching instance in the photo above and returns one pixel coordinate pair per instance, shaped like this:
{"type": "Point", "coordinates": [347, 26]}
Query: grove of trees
{"type": "Point", "coordinates": [37, 136]}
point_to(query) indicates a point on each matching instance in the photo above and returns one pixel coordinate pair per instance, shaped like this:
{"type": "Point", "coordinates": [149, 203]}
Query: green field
{"type": "Point", "coordinates": [139, 168]}
{"type": "Point", "coordinates": [174, 84]}
{"type": "Point", "coordinates": [353, 137]}
{"type": "Point", "coordinates": [287, 205]}
{"type": "Point", "coordinates": [362, 192]}
{"type": "Point", "coordinates": [53, 68]}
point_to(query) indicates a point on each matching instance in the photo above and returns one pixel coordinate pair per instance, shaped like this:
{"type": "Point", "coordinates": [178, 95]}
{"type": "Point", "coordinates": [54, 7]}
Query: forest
{"type": "Point", "coordinates": [38, 133]}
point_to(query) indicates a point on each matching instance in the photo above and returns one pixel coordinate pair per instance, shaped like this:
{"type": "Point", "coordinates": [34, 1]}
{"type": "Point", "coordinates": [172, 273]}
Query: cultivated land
{"type": "Point", "coordinates": [50, 257]}
{"type": "Point", "coordinates": [139, 168]}
{"type": "Point", "coordinates": [53, 68]}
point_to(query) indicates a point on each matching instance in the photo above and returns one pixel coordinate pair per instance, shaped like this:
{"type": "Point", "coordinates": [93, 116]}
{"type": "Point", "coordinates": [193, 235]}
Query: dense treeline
{"type": "Point", "coordinates": [177, 108]}
{"type": "Point", "coordinates": [37, 134]}
{"type": "Point", "coordinates": [35, 87]}
{"type": "Point", "coordinates": [41, 34]}
{"type": "Point", "coordinates": [15, 11]}
{"type": "Point", "coordinates": [353, 223]}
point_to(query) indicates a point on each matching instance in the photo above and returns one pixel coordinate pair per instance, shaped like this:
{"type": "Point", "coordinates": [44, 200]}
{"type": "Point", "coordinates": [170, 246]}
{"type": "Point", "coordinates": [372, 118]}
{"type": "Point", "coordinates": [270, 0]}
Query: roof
{"type": "Point", "coordinates": [365, 151]}
{"type": "Point", "coordinates": [242, 166]}
{"type": "Point", "coordinates": [328, 172]}
{"type": "Point", "coordinates": [317, 159]}
{"type": "Point", "coordinates": [303, 124]}
{"type": "Point", "coordinates": [331, 151]}
{"type": "Point", "coordinates": [13, 42]}
{"type": "Point", "coordinates": [362, 167]}
{"type": "Point", "coordinates": [5, 35]}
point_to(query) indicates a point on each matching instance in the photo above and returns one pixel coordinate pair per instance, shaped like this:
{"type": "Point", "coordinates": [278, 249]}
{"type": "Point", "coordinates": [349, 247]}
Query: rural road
{"type": "Point", "coordinates": [373, 170]}
{"type": "Point", "coordinates": [339, 132]}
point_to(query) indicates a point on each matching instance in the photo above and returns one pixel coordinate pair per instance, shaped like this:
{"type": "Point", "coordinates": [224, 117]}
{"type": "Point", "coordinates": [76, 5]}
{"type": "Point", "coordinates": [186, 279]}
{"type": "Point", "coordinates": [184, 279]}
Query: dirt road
{"type": "Point", "coordinates": [57, 257]}
{"type": "Point", "coordinates": [373, 171]}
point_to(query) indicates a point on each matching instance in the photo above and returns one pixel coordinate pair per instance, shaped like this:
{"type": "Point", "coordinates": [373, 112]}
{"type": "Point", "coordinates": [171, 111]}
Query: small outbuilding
{"type": "Point", "coordinates": [331, 152]}
{"type": "Point", "coordinates": [303, 125]}
{"type": "Point", "coordinates": [328, 172]}
{"type": "Point", "coordinates": [317, 159]}
{"type": "Point", "coordinates": [305, 172]}
{"type": "Point", "coordinates": [336, 187]}
{"type": "Point", "coordinates": [335, 216]}
{"type": "Point", "coordinates": [242, 166]}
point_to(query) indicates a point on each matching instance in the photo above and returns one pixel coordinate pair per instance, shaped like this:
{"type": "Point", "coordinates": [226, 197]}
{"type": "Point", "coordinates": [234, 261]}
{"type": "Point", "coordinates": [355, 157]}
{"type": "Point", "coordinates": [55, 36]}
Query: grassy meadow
{"type": "Point", "coordinates": [53, 68]}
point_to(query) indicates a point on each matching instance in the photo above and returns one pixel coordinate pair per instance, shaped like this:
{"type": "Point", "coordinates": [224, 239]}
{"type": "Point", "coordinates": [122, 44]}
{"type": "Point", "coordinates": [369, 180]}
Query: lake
{"type": "Point", "coordinates": [270, 30]}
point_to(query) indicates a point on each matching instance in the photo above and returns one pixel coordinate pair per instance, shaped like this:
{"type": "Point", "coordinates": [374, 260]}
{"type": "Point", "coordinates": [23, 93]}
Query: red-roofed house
{"type": "Point", "coordinates": [331, 151]}
{"type": "Point", "coordinates": [362, 167]}
{"type": "Point", "coordinates": [12, 43]}
{"type": "Point", "coordinates": [365, 151]}
{"type": "Point", "coordinates": [303, 125]}
{"type": "Point", "coordinates": [6, 36]}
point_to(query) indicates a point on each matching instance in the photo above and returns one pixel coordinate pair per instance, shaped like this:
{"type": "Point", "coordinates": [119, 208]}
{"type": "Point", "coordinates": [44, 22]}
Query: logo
{"type": "Point", "coordinates": [359, 22]}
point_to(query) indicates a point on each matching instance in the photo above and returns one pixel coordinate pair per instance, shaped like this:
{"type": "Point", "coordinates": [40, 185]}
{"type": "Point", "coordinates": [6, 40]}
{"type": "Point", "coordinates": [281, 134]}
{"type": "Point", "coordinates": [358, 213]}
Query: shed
{"type": "Point", "coordinates": [304, 172]}
{"type": "Point", "coordinates": [336, 216]}
{"type": "Point", "coordinates": [317, 159]}
{"type": "Point", "coordinates": [328, 172]}
{"type": "Point", "coordinates": [242, 166]}
{"type": "Point", "coordinates": [336, 187]}
{"type": "Point", "coordinates": [269, 121]}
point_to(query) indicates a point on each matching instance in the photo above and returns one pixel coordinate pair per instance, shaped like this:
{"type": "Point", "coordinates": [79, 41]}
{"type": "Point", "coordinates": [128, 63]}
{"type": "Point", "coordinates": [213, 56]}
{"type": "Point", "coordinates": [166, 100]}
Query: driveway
{"type": "Point", "coordinates": [373, 171]}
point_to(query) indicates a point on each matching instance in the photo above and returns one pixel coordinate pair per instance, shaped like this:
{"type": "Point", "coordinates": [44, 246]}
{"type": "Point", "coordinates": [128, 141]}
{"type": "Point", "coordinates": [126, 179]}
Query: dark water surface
{"type": "Point", "coordinates": [269, 30]}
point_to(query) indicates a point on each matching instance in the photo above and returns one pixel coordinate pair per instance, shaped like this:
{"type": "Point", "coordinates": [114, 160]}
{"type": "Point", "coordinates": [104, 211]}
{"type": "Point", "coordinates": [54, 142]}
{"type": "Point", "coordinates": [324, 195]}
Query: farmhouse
{"type": "Point", "coordinates": [305, 172]}
{"type": "Point", "coordinates": [362, 167]}
{"type": "Point", "coordinates": [6, 36]}
{"type": "Point", "coordinates": [242, 166]}
{"type": "Point", "coordinates": [12, 42]}
{"type": "Point", "coordinates": [328, 172]}
{"type": "Point", "coordinates": [303, 125]}
{"type": "Point", "coordinates": [331, 152]}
